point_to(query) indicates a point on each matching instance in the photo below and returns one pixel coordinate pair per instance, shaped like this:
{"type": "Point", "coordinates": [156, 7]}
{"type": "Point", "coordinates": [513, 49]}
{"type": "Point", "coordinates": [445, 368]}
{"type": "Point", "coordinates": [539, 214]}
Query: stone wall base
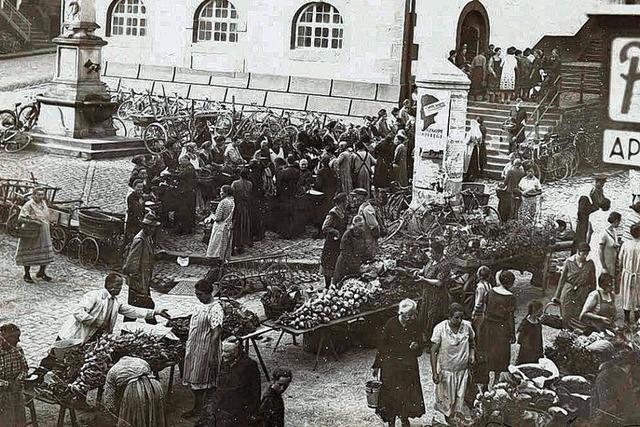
{"type": "Point", "coordinates": [334, 98]}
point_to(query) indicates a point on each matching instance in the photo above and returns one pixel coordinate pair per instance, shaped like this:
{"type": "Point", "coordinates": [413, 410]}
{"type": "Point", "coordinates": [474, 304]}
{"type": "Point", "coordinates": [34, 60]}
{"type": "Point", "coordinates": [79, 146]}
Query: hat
{"type": "Point", "coordinates": [600, 176]}
{"type": "Point", "coordinates": [401, 134]}
{"type": "Point", "coordinates": [359, 192]}
{"type": "Point", "coordinates": [150, 219]}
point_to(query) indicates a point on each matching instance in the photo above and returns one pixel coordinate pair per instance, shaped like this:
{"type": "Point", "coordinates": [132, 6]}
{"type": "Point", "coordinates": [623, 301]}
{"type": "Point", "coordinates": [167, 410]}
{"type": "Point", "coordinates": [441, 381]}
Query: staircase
{"type": "Point", "coordinates": [594, 52]}
{"type": "Point", "coordinates": [30, 22]}
{"type": "Point", "coordinates": [494, 116]}
{"type": "Point", "coordinates": [585, 77]}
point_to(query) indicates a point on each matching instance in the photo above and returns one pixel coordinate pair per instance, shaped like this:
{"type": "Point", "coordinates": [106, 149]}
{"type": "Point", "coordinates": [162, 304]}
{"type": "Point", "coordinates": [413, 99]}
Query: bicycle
{"type": "Point", "coordinates": [22, 117]}
{"type": "Point", "coordinates": [588, 148]}
{"type": "Point", "coordinates": [14, 140]}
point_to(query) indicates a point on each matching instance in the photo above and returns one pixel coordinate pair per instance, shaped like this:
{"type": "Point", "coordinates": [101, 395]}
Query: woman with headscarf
{"type": "Point", "coordinates": [353, 250]}
{"type": "Point", "coordinates": [241, 189]}
{"type": "Point", "coordinates": [221, 238]}
{"type": "Point", "coordinates": [397, 365]}
{"type": "Point", "coordinates": [131, 392]}
{"type": "Point", "coordinates": [38, 250]}
{"type": "Point", "coordinates": [577, 280]}
{"type": "Point", "coordinates": [531, 190]}
{"type": "Point", "coordinates": [334, 226]}
{"type": "Point", "coordinates": [508, 76]}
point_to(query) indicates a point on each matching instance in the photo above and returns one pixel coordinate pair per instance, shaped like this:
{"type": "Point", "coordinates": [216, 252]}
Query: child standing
{"type": "Point", "coordinates": [530, 335]}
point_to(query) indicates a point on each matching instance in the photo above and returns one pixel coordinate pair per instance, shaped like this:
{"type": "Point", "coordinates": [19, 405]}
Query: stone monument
{"type": "Point", "coordinates": [75, 112]}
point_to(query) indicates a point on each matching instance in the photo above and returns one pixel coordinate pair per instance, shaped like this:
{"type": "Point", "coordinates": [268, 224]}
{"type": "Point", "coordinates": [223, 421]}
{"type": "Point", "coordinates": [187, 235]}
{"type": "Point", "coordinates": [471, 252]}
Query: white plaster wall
{"type": "Point", "coordinates": [372, 45]}
{"type": "Point", "coordinates": [520, 23]}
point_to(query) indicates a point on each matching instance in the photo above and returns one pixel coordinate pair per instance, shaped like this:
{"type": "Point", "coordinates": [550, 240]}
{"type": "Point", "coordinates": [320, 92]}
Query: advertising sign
{"type": "Point", "coordinates": [621, 147]}
{"type": "Point", "coordinates": [624, 87]}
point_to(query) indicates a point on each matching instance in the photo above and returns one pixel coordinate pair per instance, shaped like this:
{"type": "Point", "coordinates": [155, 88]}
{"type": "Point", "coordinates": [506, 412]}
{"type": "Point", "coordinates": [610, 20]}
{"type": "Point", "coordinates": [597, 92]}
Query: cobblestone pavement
{"type": "Point", "coordinates": [26, 71]}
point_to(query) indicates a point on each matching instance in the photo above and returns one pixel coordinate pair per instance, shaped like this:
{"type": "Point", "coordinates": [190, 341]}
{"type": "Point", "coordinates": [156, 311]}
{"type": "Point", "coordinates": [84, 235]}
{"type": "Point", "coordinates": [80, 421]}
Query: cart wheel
{"type": "Point", "coordinates": [89, 251]}
{"type": "Point", "coordinates": [155, 138]}
{"type": "Point", "coordinates": [275, 274]}
{"type": "Point", "coordinates": [231, 284]}
{"type": "Point", "coordinates": [73, 247]}
{"type": "Point", "coordinates": [12, 224]}
{"type": "Point", "coordinates": [58, 239]}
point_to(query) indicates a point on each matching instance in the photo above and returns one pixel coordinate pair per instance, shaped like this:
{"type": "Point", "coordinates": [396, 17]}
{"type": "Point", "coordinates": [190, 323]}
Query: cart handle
{"type": "Point", "coordinates": [68, 202]}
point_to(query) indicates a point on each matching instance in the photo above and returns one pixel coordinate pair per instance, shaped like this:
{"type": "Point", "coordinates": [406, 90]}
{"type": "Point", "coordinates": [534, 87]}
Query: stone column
{"type": "Point", "coordinates": [440, 132]}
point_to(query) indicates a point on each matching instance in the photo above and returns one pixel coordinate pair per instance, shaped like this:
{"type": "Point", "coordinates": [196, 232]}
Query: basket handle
{"type": "Point", "coordinates": [551, 304]}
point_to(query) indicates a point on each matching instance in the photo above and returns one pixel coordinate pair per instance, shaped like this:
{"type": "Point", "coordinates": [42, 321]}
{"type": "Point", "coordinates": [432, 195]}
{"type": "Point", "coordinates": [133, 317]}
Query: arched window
{"type": "Point", "coordinates": [217, 20]}
{"type": "Point", "coordinates": [318, 25]}
{"type": "Point", "coordinates": [128, 18]}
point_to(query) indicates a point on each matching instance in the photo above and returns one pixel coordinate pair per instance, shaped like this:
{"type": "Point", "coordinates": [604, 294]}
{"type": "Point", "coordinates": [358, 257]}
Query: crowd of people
{"type": "Point", "coordinates": [503, 77]}
{"type": "Point", "coordinates": [250, 186]}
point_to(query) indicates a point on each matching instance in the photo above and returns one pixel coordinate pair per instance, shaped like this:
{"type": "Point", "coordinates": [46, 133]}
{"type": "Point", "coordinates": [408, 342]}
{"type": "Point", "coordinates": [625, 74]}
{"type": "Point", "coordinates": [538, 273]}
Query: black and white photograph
{"type": "Point", "coordinates": [338, 213]}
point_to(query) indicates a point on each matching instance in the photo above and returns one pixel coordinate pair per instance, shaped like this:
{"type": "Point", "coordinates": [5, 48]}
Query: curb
{"type": "Point", "coordinates": [34, 52]}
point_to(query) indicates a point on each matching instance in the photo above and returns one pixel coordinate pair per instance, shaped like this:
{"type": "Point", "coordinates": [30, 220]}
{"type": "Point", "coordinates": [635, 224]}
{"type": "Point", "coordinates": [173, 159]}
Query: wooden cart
{"type": "Point", "coordinates": [99, 231]}
{"type": "Point", "coordinates": [16, 192]}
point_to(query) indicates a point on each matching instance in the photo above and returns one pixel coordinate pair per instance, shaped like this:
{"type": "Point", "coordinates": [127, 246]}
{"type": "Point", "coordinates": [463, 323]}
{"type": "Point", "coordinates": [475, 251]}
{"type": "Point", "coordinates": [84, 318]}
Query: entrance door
{"type": "Point", "coordinates": [474, 33]}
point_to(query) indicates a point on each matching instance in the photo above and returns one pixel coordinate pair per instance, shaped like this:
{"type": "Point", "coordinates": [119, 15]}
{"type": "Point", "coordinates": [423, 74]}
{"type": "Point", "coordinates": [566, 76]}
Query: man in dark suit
{"type": "Point", "coordinates": [139, 266]}
{"type": "Point", "coordinates": [236, 400]}
{"type": "Point", "coordinates": [286, 188]}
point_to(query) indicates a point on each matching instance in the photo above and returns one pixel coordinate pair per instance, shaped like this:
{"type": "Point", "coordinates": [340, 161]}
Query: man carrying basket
{"type": "Point", "coordinates": [34, 246]}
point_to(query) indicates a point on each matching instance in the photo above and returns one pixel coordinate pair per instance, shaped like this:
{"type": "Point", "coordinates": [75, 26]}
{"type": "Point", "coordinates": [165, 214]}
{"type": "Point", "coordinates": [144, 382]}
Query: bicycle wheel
{"type": "Point", "coordinates": [15, 140]}
{"type": "Point", "coordinates": [120, 127]}
{"type": "Point", "coordinates": [224, 124]}
{"type": "Point", "coordinates": [393, 228]}
{"type": "Point", "coordinates": [155, 138]}
{"type": "Point", "coordinates": [283, 138]}
{"type": "Point", "coordinates": [293, 134]}
{"type": "Point", "coordinates": [8, 119]}
{"type": "Point", "coordinates": [126, 110]}
{"type": "Point", "coordinates": [12, 223]}
{"type": "Point", "coordinates": [28, 117]}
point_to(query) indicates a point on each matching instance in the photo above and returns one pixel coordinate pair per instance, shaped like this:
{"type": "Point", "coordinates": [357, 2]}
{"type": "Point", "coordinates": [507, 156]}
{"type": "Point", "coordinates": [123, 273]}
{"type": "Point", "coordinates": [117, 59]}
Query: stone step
{"type": "Point", "coordinates": [109, 147]}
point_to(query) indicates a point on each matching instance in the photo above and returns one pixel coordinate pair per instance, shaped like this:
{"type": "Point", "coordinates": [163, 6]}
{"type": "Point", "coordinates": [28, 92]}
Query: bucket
{"type": "Point", "coordinates": [373, 391]}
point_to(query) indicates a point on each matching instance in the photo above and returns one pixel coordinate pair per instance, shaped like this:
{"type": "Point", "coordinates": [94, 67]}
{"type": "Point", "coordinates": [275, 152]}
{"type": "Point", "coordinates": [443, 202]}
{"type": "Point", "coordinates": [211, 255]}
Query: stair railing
{"type": "Point", "coordinates": [555, 90]}
{"type": "Point", "coordinates": [17, 20]}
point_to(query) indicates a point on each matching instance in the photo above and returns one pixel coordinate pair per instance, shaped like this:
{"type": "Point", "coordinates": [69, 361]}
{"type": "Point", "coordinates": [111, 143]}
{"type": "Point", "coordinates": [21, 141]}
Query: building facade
{"type": "Point", "coordinates": [343, 57]}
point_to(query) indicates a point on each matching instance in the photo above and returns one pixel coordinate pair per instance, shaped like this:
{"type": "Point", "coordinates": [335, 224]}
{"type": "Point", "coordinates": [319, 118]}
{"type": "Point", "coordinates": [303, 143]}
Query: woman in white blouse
{"type": "Point", "coordinates": [531, 190]}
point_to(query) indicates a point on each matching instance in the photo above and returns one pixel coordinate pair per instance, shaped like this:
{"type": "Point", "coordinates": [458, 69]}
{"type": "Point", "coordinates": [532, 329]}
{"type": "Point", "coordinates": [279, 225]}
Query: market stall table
{"type": "Point", "coordinates": [32, 394]}
{"type": "Point", "coordinates": [323, 330]}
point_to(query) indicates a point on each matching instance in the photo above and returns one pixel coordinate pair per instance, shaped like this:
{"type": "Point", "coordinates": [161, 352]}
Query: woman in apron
{"type": "Point", "coordinates": [599, 310]}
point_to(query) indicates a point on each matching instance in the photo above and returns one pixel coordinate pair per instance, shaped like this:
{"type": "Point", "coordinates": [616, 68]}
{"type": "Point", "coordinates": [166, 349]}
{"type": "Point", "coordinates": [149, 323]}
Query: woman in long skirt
{"type": "Point", "coordinates": [452, 354]}
{"type": "Point", "coordinates": [629, 263]}
{"type": "Point", "coordinates": [38, 250]}
{"type": "Point", "coordinates": [499, 323]}
{"type": "Point", "coordinates": [220, 240]}
{"type": "Point", "coordinates": [577, 280]}
{"type": "Point", "coordinates": [242, 213]}
{"type": "Point", "coordinates": [202, 349]}
{"type": "Point", "coordinates": [397, 363]}
{"type": "Point", "coordinates": [131, 392]}
{"type": "Point", "coordinates": [334, 226]}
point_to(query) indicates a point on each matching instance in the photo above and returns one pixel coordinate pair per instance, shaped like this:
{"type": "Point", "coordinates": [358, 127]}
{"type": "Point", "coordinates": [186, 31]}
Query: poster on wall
{"type": "Point", "coordinates": [432, 121]}
{"type": "Point", "coordinates": [458, 115]}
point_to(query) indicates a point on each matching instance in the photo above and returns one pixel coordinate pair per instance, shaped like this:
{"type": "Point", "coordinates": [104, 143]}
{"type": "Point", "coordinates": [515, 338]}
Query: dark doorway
{"type": "Point", "coordinates": [473, 29]}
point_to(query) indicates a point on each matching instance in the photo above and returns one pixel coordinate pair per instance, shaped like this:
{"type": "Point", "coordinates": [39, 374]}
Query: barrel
{"type": "Point", "coordinates": [373, 391]}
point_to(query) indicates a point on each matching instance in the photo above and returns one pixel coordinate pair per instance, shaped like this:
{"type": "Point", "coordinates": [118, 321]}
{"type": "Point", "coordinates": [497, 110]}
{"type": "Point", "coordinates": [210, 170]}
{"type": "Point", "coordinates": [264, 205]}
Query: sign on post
{"type": "Point", "coordinates": [622, 146]}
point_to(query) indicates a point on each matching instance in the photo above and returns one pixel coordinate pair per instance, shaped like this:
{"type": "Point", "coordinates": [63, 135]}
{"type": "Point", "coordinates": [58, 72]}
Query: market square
{"type": "Point", "coordinates": [232, 213]}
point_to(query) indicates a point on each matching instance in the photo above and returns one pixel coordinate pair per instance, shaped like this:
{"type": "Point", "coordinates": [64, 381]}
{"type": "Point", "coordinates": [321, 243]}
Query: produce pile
{"type": "Point", "coordinates": [98, 356]}
{"type": "Point", "coordinates": [330, 304]}
{"type": "Point", "coordinates": [494, 241]}
{"type": "Point", "coordinates": [280, 299]}
{"type": "Point", "coordinates": [580, 354]}
{"type": "Point", "coordinates": [237, 321]}
{"type": "Point", "coordinates": [522, 401]}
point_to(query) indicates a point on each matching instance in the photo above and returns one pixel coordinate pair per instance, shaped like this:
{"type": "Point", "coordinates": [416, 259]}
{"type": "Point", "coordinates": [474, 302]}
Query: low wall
{"type": "Point", "coordinates": [335, 98]}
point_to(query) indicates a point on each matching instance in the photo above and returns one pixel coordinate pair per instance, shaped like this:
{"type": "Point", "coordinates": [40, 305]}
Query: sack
{"type": "Point", "coordinates": [551, 320]}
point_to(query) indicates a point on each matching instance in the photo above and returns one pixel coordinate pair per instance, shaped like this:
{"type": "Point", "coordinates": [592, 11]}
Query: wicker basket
{"type": "Point", "coordinates": [28, 229]}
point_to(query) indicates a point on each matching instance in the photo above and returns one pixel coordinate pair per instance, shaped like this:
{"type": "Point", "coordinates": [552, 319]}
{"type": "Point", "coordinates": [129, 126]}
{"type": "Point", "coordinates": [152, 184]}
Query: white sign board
{"type": "Point", "coordinates": [621, 147]}
{"type": "Point", "coordinates": [624, 87]}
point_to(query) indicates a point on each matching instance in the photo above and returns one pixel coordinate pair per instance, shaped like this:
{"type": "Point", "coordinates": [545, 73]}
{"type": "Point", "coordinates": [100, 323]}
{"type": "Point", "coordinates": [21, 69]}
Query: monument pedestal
{"type": "Point", "coordinates": [76, 111]}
